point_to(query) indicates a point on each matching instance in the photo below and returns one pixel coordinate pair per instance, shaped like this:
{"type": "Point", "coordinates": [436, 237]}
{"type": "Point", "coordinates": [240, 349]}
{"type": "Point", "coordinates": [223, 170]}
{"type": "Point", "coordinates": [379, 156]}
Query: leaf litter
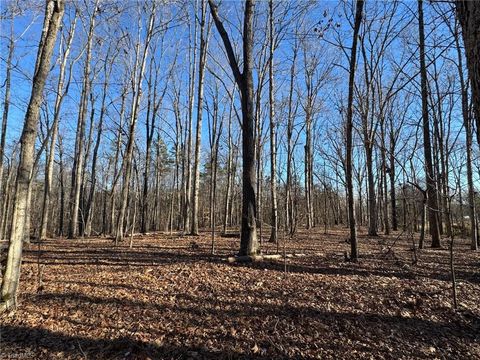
{"type": "Point", "coordinates": [165, 299]}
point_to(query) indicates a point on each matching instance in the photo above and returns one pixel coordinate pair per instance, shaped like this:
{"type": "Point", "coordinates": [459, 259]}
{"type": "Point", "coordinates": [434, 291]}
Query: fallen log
{"type": "Point", "coordinates": [257, 258]}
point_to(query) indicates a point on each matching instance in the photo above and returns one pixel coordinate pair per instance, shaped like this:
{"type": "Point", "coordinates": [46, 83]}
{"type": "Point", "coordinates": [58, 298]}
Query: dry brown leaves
{"type": "Point", "coordinates": [164, 299]}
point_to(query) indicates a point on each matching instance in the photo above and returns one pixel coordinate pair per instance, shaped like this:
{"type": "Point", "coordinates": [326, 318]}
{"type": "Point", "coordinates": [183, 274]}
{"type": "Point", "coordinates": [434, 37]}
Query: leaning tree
{"type": "Point", "coordinates": [54, 11]}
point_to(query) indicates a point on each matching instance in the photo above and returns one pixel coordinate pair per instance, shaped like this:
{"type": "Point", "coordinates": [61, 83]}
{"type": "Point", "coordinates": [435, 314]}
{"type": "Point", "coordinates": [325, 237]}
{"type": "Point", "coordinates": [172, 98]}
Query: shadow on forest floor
{"type": "Point", "coordinates": [352, 325]}
{"type": "Point", "coordinates": [29, 340]}
{"type": "Point", "coordinates": [164, 299]}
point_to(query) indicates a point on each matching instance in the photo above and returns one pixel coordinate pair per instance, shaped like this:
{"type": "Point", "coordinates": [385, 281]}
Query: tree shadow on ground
{"type": "Point", "coordinates": [157, 256]}
{"type": "Point", "coordinates": [324, 269]}
{"type": "Point", "coordinates": [202, 306]}
{"type": "Point", "coordinates": [199, 311]}
{"type": "Point", "coordinates": [112, 257]}
{"type": "Point", "coordinates": [29, 342]}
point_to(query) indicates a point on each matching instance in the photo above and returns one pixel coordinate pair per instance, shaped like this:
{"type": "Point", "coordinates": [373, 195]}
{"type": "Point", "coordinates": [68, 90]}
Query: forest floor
{"type": "Point", "coordinates": [164, 299]}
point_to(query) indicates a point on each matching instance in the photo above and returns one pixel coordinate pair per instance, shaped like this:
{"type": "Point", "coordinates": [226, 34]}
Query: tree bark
{"type": "Point", "coordinates": [201, 75]}
{"type": "Point", "coordinates": [468, 13]}
{"type": "Point", "coordinates": [349, 134]}
{"type": "Point", "coordinates": [227, 203]}
{"type": "Point", "coordinates": [467, 123]}
{"type": "Point", "coordinates": [53, 16]}
{"type": "Point", "coordinates": [248, 240]}
{"type": "Point", "coordinates": [137, 80]}
{"type": "Point", "coordinates": [78, 159]}
{"type": "Point", "coordinates": [6, 102]}
{"type": "Point", "coordinates": [89, 208]}
{"type": "Point", "coordinates": [289, 211]}
{"type": "Point", "coordinates": [61, 93]}
{"type": "Point", "coordinates": [273, 144]}
{"type": "Point", "coordinates": [430, 179]}
{"type": "Point", "coordinates": [61, 175]}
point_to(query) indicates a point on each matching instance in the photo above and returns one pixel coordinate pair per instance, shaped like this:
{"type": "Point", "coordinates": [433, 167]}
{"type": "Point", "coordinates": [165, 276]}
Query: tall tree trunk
{"type": "Point", "coordinates": [78, 159]}
{"type": "Point", "coordinates": [215, 133]}
{"type": "Point", "coordinates": [467, 123]}
{"type": "Point", "coordinates": [248, 240]}
{"type": "Point", "coordinates": [201, 74]}
{"type": "Point", "coordinates": [227, 203]}
{"type": "Point", "coordinates": [178, 147]}
{"type": "Point", "coordinates": [468, 13]}
{"type": "Point", "coordinates": [391, 173]}
{"type": "Point", "coordinates": [149, 131]}
{"type": "Point", "coordinates": [430, 179]}
{"type": "Point", "coordinates": [349, 134]}
{"type": "Point", "coordinates": [383, 153]}
{"type": "Point", "coordinates": [192, 56]}
{"type": "Point", "coordinates": [289, 217]}
{"type": "Point", "coordinates": [440, 155]}
{"type": "Point", "coordinates": [61, 175]}
{"type": "Point", "coordinates": [372, 202]}
{"type": "Point", "coordinates": [53, 17]}
{"type": "Point", "coordinates": [153, 105]}
{"type": "Point", "coordinates": [137, 77]}
{"type": "Point", "coordinates": [157, 222]}
{"type": "Point", "coordinates": [6, 102]}
{"type": "Point", "coordinates": [61, 93]}
{"type": "Point", "coordinates": [6, 202]}
{"type": "Point", "coordinates": [308, 159]}
{"type": "Point", "coordinates": [83, 186]}
{"type": "Point", "coordinates": [116, 171]}
{"type": "Point", "coordinates": [89, 208]}
{"type": "Point", "coordinates": [273, 144]}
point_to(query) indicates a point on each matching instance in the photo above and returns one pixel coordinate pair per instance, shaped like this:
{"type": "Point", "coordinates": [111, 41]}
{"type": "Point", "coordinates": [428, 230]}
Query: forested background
{"type": "Point", "coordinates": [149, 89]}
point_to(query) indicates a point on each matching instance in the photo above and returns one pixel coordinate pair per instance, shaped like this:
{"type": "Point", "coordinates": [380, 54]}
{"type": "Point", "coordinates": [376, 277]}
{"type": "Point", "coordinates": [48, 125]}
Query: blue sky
{"type": "Point", "coordinates": [331, 94]}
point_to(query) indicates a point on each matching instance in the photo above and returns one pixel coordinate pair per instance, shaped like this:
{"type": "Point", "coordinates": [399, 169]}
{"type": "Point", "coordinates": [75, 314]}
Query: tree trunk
{"type": "Point", "coordinates": [61, 93]}
{"type": "Point", "coordinates": [53, 17]}
{"type": "Point", "coordinates": [116, 171]}
{"type": "Point", "coordinates": [349, 134]}
{"type": "Point", "coordinates": [138, 74]}
{"type": "Point", "coordinates": [273, 145]}
{"type": "Point", "coordinates": [430, 180]}
{"type": "Point", "coordinates": [383, 153]}
{"type": "Point", "coordinates": [191, 102]}
{"type": "Point", "coordinates": [6, 203]}
{"type": "Point", "coordinates": [89, 207]}
{"type": "Point", "coordinates": [6, 103]}
{"type": "Point", "coordinates": [61, 175]}
{"type": "Point", "coordinates": [372, 203]}
{"type": "Point", "coordinates": [467, 123]}
{"type": "Point", "coordinates": [248, 240]}
{"type": "Point", "coordinates": [78, 159]}
{"type": "Point", "coordinates": [227, 203]}
{"type": "Point", "coordinates": [201, 74]}
{"type": "Point", "coordinates": [393, 196]}
{"type": "Point", "coordinates": [290, 123]}
{"type": "Point", "coordinates": [468, 13]}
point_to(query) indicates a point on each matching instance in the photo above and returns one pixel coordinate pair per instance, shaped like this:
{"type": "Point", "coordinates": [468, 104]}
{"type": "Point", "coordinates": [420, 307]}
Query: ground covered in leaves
{"type": "Point", "coordinates": [166, 299]}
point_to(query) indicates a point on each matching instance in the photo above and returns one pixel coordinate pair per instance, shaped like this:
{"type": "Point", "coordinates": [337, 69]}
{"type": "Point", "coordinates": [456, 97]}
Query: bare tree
{"type": "Point", "coordinates": [349, 134]}
{"type": "Point", "coordinates": [79, 156]}
{"type": "Point", "coordinates": [138, 73]}
{"type": "Point", "coordinates": [201, 73]}
{"type": "Point", "coordinates": [430, 179]}
{"type": "Point", "coordinates": [244, 80]}
{"type": "Point", "coordinates": [467, 123]}
{"type": "Point", "coordinates": [468, 13]}
{"type": "Point", "coordinates": [6, 101]}
{"type": "Point", "coordinates": [62, 91]}
{"type": "Point", "coordinates": [54, 11]}
{"type": "Point", "coordinates": [273, 144]}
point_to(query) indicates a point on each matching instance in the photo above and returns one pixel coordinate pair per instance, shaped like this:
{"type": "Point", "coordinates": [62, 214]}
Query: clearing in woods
{"type": "Point", "coordinates": [167, 299]}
